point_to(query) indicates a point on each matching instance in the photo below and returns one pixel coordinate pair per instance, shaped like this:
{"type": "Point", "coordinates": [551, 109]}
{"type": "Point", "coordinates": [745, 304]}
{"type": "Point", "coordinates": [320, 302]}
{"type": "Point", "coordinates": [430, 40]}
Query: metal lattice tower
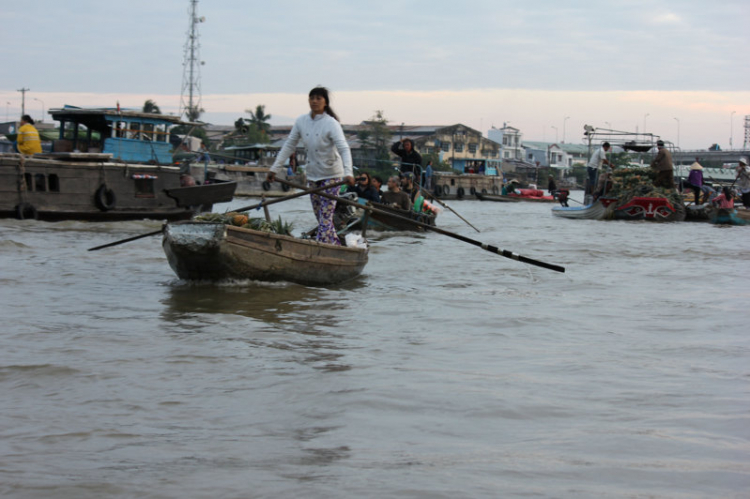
{"type": "Point", "coordinates": [747, 132]}
{"type": "Point", "coordinates": [190, 97]}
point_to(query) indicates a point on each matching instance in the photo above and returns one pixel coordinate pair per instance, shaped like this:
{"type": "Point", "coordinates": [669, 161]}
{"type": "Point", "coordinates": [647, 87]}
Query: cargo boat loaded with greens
{"type": "Point", "coordinates": [107, 164]}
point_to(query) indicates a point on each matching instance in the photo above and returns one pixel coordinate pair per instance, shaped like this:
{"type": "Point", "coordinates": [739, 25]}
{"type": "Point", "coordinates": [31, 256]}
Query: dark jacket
{"type": "Point", "coordinates": [410, 162]}
{"type": "Point", "coordinates": [370, 193]}
{"type": "Point", "coordinates": [662, 161]}
{"type": "Point", "coordinates": [400, 199]}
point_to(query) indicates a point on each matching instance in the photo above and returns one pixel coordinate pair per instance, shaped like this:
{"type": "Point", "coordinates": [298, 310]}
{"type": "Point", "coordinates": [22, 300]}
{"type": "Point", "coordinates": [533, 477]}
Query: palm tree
{"type": "Point", "coordinates": [259, 118]}
{"type": "Point", "coordinates": [150, 107]}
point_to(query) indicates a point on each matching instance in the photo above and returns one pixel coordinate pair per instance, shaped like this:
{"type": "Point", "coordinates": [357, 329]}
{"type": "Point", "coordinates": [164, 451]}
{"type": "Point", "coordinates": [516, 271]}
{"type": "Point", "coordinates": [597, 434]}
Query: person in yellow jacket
{"type": "Point", "coordinates": [28, 137]}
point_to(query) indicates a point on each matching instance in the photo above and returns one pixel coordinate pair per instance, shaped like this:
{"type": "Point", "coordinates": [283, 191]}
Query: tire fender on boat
{"type": "Point", "coordinates": [473, 190]}
{"type": "Point", "coordinates": [460, 192]}
{"type": "Point", "coordinates": [446, 189]}
{"type": "Point", "coordinates": [284, 187]}
{"type": "Point", "coordinates": [484, 191]}
{"type": "Point", "coordinates": [266, 185]}
{"type": "Point", "coordinates": [26, 211]}
{"type": "Point", "coordinates": [104, 198]}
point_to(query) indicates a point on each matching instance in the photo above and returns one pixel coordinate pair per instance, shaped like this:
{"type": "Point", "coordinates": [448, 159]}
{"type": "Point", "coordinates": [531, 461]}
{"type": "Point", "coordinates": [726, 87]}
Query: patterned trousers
{"type": "Point", "coordinates": [323, 208]}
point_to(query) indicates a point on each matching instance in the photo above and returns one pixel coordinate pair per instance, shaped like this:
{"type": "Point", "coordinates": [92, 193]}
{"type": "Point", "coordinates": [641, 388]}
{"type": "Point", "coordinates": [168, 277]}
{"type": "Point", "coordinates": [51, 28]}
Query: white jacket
{"type": "Point", "coordinates": [328, 154]}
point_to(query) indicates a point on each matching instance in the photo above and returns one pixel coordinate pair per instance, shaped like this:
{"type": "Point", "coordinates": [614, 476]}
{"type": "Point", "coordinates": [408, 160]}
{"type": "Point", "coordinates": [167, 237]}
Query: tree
{"type": "Point", "coordinates": [245, 133]}
{"type": "Point", "coordinates": [193, 113]}
{"type": "Point", "coordinates": [376, 139]}
{"type": "Point", "coordinates": [259, 118]}
{"type": "Point", "coordinates": [150, 107]}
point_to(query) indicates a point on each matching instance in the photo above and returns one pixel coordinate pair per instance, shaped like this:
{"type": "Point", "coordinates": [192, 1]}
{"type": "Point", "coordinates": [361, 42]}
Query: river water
{"type": "Point", "coordinates": [444, 371]}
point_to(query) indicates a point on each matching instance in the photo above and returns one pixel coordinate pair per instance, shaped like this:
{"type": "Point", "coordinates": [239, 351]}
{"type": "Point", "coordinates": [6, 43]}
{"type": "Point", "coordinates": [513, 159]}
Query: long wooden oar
{"type": "Point", "coordinates": [484, 246]}
{"type": "Point", "coordinates": [445, 205]}
{"type": "Point", "coordinates": [304, 192]}
{"type": "Point", "coordinates": [262, 204]}
{"type": "Point", "coordinates": [127, 240]}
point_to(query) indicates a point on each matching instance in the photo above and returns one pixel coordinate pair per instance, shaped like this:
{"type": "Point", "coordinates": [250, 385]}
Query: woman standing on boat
{"type": "Point", "coordinates": [328, 158]}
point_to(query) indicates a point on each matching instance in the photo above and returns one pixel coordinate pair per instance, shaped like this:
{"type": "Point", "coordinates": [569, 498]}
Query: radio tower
{"type": "Point", "coordinates": [190, 97]}
{"type": "Point", "coordinates": [747, 132]}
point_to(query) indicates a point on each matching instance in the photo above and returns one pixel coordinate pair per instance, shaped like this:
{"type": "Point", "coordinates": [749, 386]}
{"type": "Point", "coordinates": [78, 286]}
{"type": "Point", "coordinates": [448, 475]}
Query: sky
{"type": "Point", "coordinates": [677, 69]}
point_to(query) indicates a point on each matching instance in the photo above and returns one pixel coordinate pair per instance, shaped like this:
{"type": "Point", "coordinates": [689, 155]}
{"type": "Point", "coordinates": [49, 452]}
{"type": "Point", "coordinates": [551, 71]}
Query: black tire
{"type": "Point", "coordinates": [285, 187]}
{"type": "Point", "coordinates": [104, 198]}
{"type": "Point", "coordinates": [446, 190]}
{"type": "Point", "coordinates": [473, 190]}
{"type": "Point", "coordinates": [484, 191]}
{"type": "Point", "coordinates": [26, 211]}
{"type": "Point", "coordinates": [460, 192]}
{"type": "Point", "coordinates": [266, 185]}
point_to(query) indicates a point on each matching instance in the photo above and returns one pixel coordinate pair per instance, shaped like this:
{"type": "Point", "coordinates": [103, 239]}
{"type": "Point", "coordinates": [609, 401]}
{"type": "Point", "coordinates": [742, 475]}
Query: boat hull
{"type": "Point", "coordinates": [214, 252]}
{"type": "Point", "coordinates": [80, 186]}
{"type": "Point", "coordinates": [645, 208]}
{"type": "Point", "coordinates": [594, 211]}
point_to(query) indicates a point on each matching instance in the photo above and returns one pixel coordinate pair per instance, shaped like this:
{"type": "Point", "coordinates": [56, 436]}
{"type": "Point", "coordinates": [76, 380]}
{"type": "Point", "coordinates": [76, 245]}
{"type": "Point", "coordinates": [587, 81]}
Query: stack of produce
{"type": "Point", "coordinates": [638, 182]}
{"type": "Point", "coordinates": [277, 226]}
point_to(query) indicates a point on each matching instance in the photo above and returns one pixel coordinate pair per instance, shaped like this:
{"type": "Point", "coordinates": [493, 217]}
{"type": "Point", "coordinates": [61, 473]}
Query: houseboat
{"type": "Point", "coordinates": [106, 164]}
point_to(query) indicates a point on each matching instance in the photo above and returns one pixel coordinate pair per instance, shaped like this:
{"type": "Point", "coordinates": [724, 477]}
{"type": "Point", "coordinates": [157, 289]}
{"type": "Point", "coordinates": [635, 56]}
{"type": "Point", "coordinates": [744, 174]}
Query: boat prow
{"type": "Point", "coordinates": [593, 211]}
{"type": "Point", "coordinates": [216, 251]}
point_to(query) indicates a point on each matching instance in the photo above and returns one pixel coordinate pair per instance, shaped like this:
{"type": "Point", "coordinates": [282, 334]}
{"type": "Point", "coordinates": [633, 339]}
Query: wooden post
{"type": "Point", "coordinates": [265, 208]}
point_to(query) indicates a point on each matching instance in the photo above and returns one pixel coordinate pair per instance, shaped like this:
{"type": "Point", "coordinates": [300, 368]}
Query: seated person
{"type": "Point", "coordinates": [365, 189]}
{"type": "Point", "coordinates": [725, 200]}
{"type": "Point", "coordinates": [509, 188]}
{"type": "Point", "coordinates": [408, 186]}
{"type": "Point", "coordinates": [377, 183]}
{"type": "Point", "coordinates": [394, 196]}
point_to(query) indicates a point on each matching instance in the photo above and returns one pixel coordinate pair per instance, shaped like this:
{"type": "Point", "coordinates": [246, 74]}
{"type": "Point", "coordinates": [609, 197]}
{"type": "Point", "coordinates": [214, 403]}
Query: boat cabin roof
{"type": "Point", "coordinates": [95, 118]}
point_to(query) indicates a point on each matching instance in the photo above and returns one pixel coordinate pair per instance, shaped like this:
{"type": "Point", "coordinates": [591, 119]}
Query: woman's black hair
{"type": "Point", "coordinates": [323, 92]}
{"type": "Point", "coordinates": [27, 119]}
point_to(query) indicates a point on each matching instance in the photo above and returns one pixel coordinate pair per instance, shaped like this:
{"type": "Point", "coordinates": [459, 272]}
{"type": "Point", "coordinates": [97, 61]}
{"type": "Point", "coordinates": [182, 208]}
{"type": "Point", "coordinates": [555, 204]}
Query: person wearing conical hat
{"type": "Point", "coordinates": [694, 181]}
{"type": "Point", "coordinates": [743, 181]}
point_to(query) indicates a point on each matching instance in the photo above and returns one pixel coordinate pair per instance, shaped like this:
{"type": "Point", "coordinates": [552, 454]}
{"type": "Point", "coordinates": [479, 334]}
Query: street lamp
{"type": "Point", "coordinates": [566, 119]}
{"type": "Point", "coordinates": [644, 121]}
{"type": "Point", "coordinates": [40, 100]}
{"type": "Point", "coordinates": [553, 126]}
{"type": "Point", "coordinates": [731, 129]}
{"type": "Point", "coordinates": [678, 132]}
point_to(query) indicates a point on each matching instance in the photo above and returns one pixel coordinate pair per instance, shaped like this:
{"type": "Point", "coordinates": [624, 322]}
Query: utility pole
{"type": "Point", "coordinates": [190, 99]}
{"type": "Point", "coordinates": [23, 99]}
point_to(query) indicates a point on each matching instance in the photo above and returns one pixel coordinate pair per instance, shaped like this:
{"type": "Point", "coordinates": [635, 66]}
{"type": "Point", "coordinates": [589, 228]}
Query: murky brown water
{"type": "Point", "coordinates": [444, 371]}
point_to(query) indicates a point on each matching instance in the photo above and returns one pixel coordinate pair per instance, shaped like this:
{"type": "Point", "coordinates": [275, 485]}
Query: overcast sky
{"type": "Point", "coordinates": [665, 65]}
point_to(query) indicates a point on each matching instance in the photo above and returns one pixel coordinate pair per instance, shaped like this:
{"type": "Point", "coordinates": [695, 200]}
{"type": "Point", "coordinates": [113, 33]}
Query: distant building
{"type": "Point", "coordinates": [464, 148]}
{"type": "Point", "coordinates": [509, 139]}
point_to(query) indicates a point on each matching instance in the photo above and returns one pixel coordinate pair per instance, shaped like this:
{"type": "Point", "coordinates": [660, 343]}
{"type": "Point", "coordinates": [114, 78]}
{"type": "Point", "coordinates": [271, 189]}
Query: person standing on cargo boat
{"type": "Point", "coordinates": [662, 164]}
{"type": "Point", "coordinates": [411, 161]}
{"type": "Point", "coordinates": [328, 158]}
{"type": "Point", "coordinates": [28, 137]}
{"type": "Point", "coordinates": [743, 181]}
{"type": "Point", "coordinates": [594, 166]}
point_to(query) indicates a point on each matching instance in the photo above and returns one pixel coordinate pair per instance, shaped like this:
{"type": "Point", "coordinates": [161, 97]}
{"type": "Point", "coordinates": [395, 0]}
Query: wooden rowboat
{"type": "Point", "coordinates": [216, 251]}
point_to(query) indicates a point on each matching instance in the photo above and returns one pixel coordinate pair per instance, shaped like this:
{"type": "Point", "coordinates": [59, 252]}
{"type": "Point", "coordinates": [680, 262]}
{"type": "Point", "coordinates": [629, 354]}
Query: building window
{"type": "Point", "coordinates": [54, 182]}
{"type": "Point", "coordinates": [40, 182]}
{"type": "Point", "coordinates": [473, 148]}
{"type": "Point", "coordinates": [459, 147]}
{"type": "Point", "coordinates": [506, 154]}
{"type": "Point", "coordinates": [144, 187]}
{"type": "Point", "coordinates": [446, 146]}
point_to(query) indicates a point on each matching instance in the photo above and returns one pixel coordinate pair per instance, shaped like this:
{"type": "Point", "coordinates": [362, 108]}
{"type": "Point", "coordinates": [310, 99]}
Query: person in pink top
{"type": "Point", "coordinates": [724, 200]}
